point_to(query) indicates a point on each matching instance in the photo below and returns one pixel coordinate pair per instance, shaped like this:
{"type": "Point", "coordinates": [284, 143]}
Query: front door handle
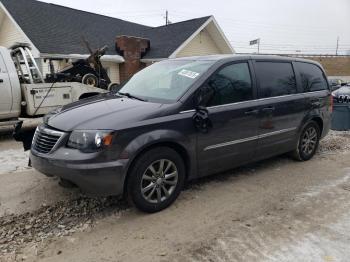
{"type": "Point", "coordinates": [252, 112]}
{"type": "Point", "coordinates": [268, 109]}
{"type": "Point", "coordinates": [1, 80]}
{"type": "Point", "coordinates": [316, 104]}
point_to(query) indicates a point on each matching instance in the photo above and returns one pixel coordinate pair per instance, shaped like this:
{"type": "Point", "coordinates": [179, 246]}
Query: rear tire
{"type": "Point", "coordinates": [156, 179]}
{"type": "Point", "coordinates": [308, 142]}
{"type": "Point", "coordinates": [90, 80]}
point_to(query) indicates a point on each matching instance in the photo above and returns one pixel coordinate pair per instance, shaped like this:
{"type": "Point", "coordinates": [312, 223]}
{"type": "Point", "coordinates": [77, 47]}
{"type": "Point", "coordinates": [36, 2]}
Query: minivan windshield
{"type": "Point", "coordinates": [165, 81]}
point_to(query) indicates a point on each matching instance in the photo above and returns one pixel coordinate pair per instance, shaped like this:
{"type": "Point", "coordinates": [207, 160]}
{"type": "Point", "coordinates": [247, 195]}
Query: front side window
{"type": "Point", "coordinates": [231, 84]}
{"type": "Point", "coordinates": [166, 81]}
{"type": "Point", "coordinates": [275, 79]}
{"type": "Point", "coordinates": [312, 77]}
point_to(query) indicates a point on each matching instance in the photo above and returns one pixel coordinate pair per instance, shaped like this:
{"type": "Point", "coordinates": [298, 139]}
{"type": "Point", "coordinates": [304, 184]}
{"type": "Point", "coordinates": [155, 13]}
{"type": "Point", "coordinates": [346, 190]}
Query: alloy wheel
{"type": "Point", "coordinates": [159, 181]}
{"type": "Point", "coordinates": [309, 140]}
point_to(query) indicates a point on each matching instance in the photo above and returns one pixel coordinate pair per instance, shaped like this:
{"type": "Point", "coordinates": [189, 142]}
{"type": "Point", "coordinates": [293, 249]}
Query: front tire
{"type": "Point", "coordinates": [308, 142]}
{"type": "Point", "coordinates": [156, 179]}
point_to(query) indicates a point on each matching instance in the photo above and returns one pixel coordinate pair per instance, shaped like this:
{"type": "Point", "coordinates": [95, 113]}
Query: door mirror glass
{"type": "Point", "coordinates": [203, 96]}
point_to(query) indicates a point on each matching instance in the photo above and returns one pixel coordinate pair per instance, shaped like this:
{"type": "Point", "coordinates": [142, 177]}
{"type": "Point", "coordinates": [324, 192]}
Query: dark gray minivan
{"type": "Point", "coordinates": [182, 119]}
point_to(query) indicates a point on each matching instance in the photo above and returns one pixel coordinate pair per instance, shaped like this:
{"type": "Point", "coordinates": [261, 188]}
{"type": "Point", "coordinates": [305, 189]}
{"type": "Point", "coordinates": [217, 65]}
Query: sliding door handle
{"type": "Point", "coordinates": [1, 80]}
{"type": "Point", "coordinates": [252, 112]}
{"type": "Point", "coordinates": [268, 109]}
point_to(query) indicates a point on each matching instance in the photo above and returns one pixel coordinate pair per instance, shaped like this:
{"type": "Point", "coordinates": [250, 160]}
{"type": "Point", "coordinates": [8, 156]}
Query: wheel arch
{"type": "Point", "coordinates": [177, 147]}
{"type": "Point", "coordinates": [319, 122]}
{"type": "Point", "coordinates": [315, 118]}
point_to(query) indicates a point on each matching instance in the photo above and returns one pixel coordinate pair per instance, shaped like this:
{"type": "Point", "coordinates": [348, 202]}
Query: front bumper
{"type": "Point", "coordinates": [93, 178]}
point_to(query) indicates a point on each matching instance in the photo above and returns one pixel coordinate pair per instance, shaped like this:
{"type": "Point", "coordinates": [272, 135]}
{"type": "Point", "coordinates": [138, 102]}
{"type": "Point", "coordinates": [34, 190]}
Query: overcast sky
{"type": "Point", "coordinates": [306, 26]}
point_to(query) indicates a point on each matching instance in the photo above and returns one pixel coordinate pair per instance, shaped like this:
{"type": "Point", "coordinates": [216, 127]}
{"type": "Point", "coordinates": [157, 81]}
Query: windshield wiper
{"type": "Point", "coordinates": [132, 96]}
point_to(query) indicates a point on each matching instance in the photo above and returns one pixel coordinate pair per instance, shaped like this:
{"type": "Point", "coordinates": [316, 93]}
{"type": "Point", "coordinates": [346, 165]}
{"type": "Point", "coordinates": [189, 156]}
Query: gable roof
{"type": "Point", "coordinates": [55, 29]}
{"type": "Point", "coordinates": [166, 39]}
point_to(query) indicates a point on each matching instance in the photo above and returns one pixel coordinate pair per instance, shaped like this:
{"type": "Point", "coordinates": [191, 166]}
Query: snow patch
{"type": "Point", "coordinates": [13, 160]}
{"type": "Point", "coordinates": [317, 190]}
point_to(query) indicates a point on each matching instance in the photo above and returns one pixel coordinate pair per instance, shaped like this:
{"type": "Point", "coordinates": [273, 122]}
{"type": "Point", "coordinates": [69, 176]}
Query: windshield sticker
{"type": "Point", "coordinates": [188, 73]}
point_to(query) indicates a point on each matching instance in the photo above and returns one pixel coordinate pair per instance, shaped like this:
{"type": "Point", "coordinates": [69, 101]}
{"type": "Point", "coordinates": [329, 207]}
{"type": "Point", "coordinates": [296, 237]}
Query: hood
{"type": "Point", "coordinates": [102, 112]}
{"type": "Point", "coordinates": [344, 90]}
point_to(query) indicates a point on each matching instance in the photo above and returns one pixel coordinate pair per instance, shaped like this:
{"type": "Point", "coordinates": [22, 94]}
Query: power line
{"type": "Point", "coordinates": [289, 48]}
{"type": "Point", "coordinates": [184, 14]}
{"type": "Point", "coordinates": [135, 12]}
{"type": "Point", "coordinates": [293, 31]}
{"type": "Point", "coordinates": [290, 45]}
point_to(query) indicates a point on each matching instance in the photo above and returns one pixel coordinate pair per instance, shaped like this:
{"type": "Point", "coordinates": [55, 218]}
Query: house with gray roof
{"type": "Point", "coordinates": [56, 32]}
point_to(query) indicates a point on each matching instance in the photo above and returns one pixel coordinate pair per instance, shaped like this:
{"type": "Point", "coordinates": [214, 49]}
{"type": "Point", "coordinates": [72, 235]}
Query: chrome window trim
{"type": "Point", "coordinates": [239, 141]}
{"type": "Point", "coordinates": [188, 111]}
{"type": "Point", "coordinates": [254, 100]}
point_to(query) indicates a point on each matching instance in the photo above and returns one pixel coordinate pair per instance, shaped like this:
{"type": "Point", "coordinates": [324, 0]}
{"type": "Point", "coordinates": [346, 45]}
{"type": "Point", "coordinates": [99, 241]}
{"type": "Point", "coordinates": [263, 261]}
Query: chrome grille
{"type": "Point", "coordinates": [46, 139]}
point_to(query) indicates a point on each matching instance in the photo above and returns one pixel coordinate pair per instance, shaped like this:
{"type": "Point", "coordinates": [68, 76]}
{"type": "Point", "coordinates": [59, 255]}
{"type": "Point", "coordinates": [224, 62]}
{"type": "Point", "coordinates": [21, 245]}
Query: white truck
{"type": "Point", "coordinates": [23, 91]}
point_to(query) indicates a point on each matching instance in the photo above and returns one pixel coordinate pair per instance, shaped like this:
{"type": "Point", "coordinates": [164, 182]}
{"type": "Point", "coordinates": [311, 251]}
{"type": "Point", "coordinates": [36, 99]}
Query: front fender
{"type": "Point", "coordinates": [159, 137]}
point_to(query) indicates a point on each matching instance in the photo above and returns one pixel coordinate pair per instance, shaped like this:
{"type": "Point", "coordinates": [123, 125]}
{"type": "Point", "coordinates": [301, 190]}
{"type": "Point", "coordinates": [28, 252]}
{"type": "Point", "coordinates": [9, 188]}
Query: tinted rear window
{"type": "Point", "coordinates": [312, 77]}
{"type": "Point", "coordinates": [275, 79]}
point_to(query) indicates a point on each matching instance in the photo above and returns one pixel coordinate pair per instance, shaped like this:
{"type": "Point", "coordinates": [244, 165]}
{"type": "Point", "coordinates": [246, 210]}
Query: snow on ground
{"type": "Point", "coordinates": [304, 233]}
{"type": "Point", "coordinates": [13, 160]}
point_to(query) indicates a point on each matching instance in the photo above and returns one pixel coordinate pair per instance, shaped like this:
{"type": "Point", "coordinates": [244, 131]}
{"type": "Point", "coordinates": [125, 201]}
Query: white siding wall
{"type": "Point", "coordinates": [45, 67]}
{"type": "Point", "coordinates": [202, 44]}
{"type": "Point", "coordinates": [9, 34]}
{"type": "Point", "coordinates": [113, 71]}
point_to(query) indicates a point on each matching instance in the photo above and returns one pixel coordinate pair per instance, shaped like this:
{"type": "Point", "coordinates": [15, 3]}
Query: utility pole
{"type": "Point", "coordinates": [166, 17]}
{"type": "Point", "coordinates": [259, 46]}
{"type": "Point", "coordinates": [336, 51]}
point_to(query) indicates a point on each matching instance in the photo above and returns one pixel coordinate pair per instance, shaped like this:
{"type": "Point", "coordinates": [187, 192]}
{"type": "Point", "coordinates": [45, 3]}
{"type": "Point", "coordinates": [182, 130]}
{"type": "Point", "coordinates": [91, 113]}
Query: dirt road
{"type": "Point", "coordinates": [276, 210]}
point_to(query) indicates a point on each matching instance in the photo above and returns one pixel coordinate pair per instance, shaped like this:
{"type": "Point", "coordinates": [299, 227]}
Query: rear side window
{"type": "Point", "coordinates": [275, 79]}
{"type": "Point", "coordinates": [231, 84]}
{"type": "Point", "coordinates": [312, 77]}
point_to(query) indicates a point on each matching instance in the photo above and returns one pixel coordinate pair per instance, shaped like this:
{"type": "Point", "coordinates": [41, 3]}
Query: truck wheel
{"type": "Point", "coordinates": [90, 80]}
{"type": "Point", "coordinates": [156, 179]}
{"type": "Point", "coordinates": [308, 142]}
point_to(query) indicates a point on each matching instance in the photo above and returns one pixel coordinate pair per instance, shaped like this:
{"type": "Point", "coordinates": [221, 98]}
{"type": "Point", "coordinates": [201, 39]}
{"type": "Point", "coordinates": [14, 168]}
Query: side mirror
{"type": "Point", "coordinates": [201, 120]}
{"type": "Point", "coordinates": [201, 117]}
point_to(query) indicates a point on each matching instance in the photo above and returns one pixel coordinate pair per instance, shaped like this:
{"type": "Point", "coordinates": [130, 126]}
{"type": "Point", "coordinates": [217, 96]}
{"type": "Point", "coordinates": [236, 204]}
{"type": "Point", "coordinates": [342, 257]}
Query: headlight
{"type": "Point", "coordinates": [89, 141]}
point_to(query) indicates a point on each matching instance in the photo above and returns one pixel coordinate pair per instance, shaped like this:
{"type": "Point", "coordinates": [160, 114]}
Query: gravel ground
{"type": "Point", "coordinates": [335, 141]}
{"type": "Point", "coordinates": [61, 219]}
{"type": "Point", "coordinates": [276, 210]}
